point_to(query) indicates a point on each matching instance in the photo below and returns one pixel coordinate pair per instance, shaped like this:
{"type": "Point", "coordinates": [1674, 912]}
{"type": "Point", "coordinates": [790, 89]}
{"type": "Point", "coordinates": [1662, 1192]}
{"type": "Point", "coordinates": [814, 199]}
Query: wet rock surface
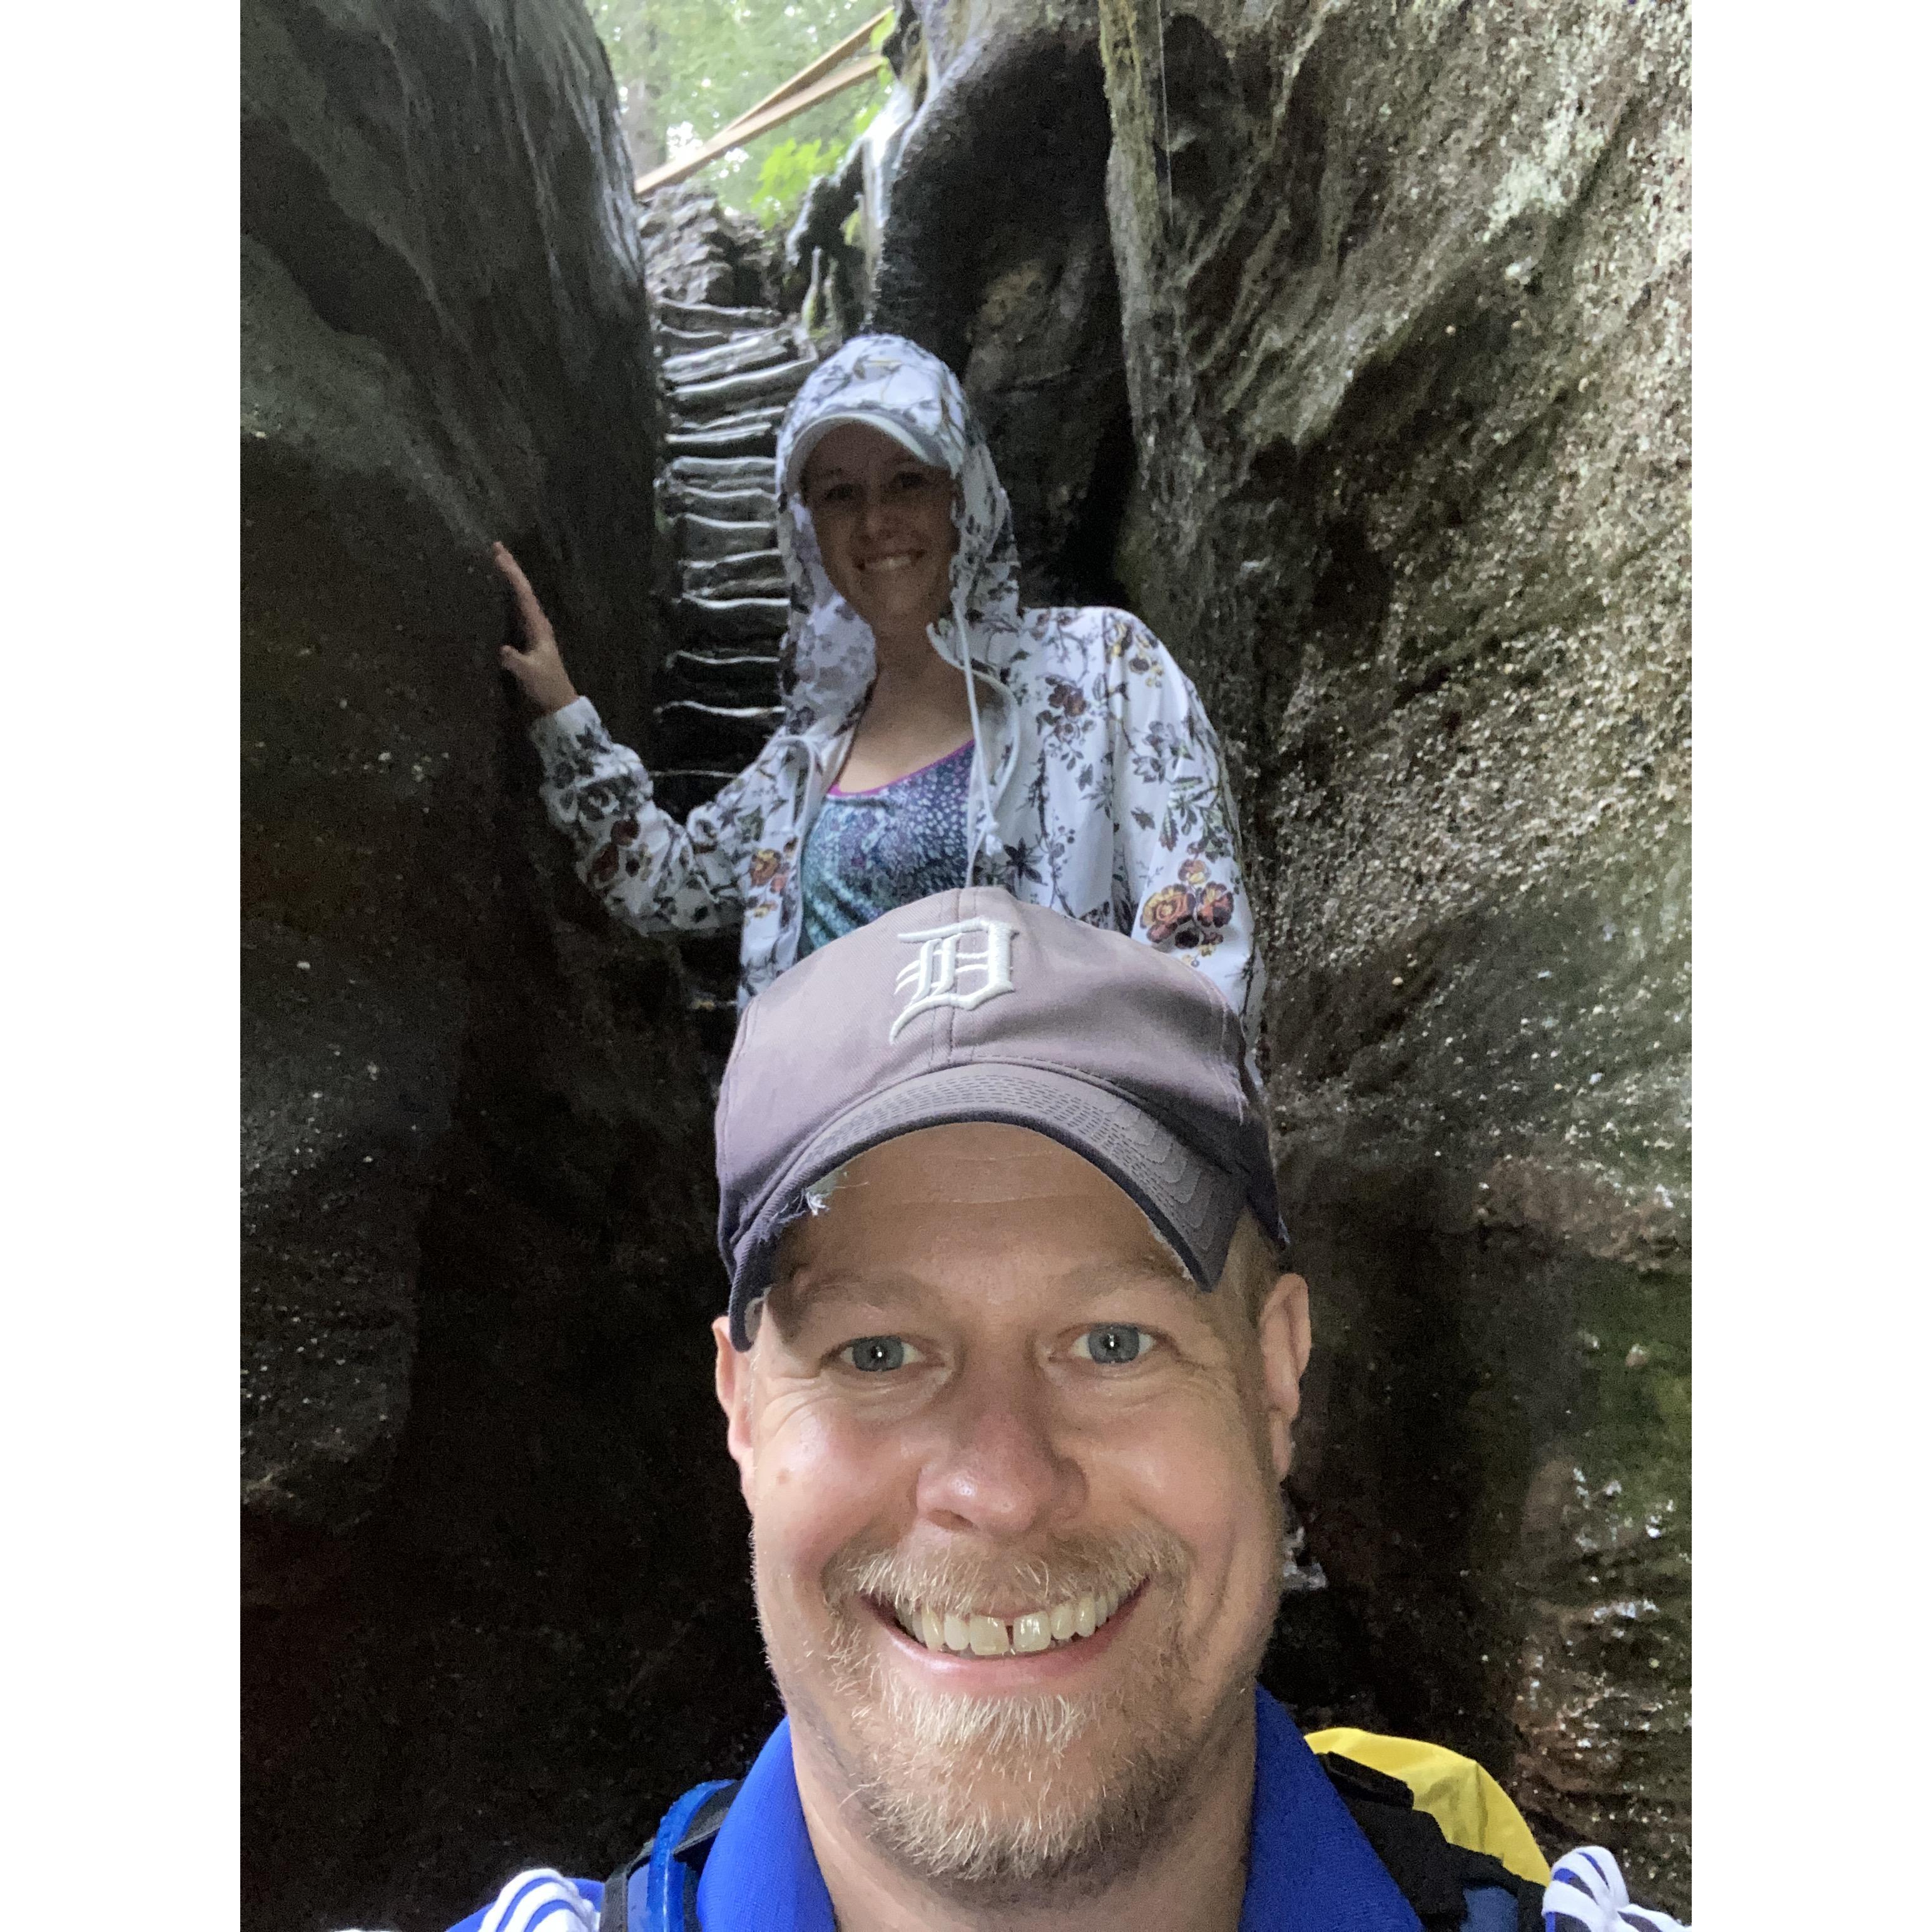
{"type": "Point", "coordinates": [1405, 300]}
{"type": "Point", "coordinates": [477, 1204]}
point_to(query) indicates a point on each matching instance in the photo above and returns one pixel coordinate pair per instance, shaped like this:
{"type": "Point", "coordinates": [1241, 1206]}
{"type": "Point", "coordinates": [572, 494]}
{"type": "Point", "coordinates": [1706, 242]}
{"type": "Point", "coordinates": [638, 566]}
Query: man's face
{"type": "Point", "coordinates": [1014, 1486]}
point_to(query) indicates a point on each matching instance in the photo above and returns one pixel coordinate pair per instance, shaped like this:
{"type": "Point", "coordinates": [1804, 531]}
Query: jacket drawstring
{"type": "Point", "coordinates": [978, 747]}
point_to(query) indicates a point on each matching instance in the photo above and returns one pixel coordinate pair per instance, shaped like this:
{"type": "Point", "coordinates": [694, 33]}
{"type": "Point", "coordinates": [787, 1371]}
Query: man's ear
{"type": "Point", "coordinates": [733, 1381]}
{"type": "Point", "coordinates": [1285, 1339]}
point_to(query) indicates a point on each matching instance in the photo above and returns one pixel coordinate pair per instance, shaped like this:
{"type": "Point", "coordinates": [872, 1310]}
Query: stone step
{"type": "Point", "coordinates": [764, 422]}
{"type": "Point", "coordinates": [732, 395]}
{"type": "Point", "coordinates": [764, 561]}
{"type": "Point", "coordinates": [747, 435]}
{"type": "Point", "coordinates": [757, 574]}
{"type": "Point", "coordinates": [712, 666]}
{"type": "Point", "coordinates": [704, 315]}
{"type": "Point", "coordinates": [732, 357]}
{"type": "Point", "coordinates": [762, 718]}
{"type": "Point", "coordinates": [692, 732]}
{"type": "Point", "coordinates": [742, 677]}
{"type": "Point", "coordinates": [734, 620]}
{"type": "Point", "coordinates": [729, 472]}
{"type": "Point", "coordinates": [672, 342]}
{"type": "Point", "coordinates": [712, 537]}
{"type": "Point", "coordinates": [697, 744]}
{"type": "Point", "coordinates": [736, 506]}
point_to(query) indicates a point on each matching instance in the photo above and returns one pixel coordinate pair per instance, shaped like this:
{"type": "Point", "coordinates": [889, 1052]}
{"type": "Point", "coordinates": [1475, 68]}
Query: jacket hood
{"type": "Point", "coordinates": [825, 667]}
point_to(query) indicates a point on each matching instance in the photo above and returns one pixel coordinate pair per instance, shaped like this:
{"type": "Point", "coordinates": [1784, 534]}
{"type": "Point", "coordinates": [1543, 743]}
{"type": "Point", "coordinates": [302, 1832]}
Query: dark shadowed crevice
{"type": "Point", "coordinates": [998, 260]}
{"type": "Point", "coordinates": [1088, 564]}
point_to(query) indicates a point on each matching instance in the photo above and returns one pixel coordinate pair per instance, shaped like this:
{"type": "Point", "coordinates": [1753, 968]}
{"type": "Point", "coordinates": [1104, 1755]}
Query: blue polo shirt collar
{"type": "Point", "coordinates": [1308, 1865]}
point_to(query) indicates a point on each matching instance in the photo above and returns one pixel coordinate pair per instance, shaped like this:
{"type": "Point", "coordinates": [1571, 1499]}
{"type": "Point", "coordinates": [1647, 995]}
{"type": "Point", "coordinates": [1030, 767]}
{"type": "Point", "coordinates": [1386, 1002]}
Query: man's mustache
{"type": "Point", "coordinates": [1043, 1574]}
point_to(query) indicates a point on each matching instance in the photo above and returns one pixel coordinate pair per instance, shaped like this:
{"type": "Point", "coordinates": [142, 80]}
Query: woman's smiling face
{"type": "Point", "coordinates": [884, 524]}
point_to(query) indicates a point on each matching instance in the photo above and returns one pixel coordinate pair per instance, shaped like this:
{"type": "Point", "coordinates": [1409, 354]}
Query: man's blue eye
{"type": "Point", "coordinates": [1115, 1342]}
{"type": "Point", "coordinates": [877, 1354]}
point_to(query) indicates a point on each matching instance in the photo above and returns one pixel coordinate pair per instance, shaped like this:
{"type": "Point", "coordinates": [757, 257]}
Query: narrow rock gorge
{"type": "Point", "coordinates": [1349, 344]}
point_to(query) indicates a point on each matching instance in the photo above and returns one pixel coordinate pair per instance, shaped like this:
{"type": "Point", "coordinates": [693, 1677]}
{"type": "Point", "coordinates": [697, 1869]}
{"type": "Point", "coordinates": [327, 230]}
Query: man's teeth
{"type": "Point", "coordinates": [899, 562]}
{"type": "Point", "coordinates": [995, 1636]}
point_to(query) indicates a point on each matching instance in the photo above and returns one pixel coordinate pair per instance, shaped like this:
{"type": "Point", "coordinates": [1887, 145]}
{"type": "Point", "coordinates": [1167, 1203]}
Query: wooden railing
{"type": "Point", "coordinates": [844, 66]}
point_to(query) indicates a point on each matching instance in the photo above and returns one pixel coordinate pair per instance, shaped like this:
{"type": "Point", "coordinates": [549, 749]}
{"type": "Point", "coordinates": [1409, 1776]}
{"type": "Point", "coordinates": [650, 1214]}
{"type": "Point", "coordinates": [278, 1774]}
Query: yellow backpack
{"type": "Point", "coordinates": [1444, 1830]}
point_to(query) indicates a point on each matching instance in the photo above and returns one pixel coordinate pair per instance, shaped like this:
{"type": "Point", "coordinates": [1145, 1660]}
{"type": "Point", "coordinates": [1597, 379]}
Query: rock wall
{"type": "Point", "coordinates": [1406, 303]}
{"type": "Point", "coordinates": [477, 1204]}
{"type": "Point", "coordinates": [696, 250]}
{"type": "Point", "coordinates": [997, 258]}
{"type": "Point", "coordinates": [1403, 295]}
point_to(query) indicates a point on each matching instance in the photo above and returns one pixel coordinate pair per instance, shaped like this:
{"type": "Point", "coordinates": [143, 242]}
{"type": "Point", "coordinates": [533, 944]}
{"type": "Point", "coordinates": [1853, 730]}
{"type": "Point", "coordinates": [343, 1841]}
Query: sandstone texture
{"type": "Point", "coordinates": [477, 1201]}
{"type": "Point", "coordinates": [1403, 321]}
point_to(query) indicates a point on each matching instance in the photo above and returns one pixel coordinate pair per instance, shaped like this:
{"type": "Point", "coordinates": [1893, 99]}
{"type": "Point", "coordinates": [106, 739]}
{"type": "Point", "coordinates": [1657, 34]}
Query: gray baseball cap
{"type": "Point", "coordinates": [970, 1006]}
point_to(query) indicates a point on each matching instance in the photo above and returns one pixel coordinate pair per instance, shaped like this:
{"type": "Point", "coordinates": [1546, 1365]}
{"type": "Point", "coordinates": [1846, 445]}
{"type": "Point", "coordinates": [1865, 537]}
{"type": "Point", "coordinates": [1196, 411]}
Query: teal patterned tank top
{"type": "Point", "coordinates": [870, 852]}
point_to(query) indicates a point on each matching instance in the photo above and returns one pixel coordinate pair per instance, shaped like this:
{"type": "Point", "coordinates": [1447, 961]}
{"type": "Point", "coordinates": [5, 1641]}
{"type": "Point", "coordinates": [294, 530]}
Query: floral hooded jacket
{"type": "Point", "coordinates": [1096, 786]}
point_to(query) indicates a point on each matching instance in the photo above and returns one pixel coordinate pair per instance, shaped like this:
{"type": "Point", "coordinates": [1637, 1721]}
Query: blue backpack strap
{"type": "Point", "coordinates": [672, 1861]}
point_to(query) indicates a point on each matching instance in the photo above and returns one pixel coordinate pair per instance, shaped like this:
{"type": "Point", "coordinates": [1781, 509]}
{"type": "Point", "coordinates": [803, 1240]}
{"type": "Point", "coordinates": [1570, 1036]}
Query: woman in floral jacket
{"type": "Point", "coordinates": [933, 733]}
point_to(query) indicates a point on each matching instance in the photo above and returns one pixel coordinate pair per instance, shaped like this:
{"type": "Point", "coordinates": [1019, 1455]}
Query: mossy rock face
{"type": "Point", "coordinates": [1401, 300]}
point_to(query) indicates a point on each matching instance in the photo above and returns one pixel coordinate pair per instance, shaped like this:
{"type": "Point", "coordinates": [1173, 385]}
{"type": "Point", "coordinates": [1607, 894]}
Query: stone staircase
{"type": "Point", "coordinates": [728, 374]}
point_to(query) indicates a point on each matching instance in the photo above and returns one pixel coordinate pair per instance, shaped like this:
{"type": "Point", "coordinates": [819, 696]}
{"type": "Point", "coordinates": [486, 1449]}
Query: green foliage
{"type": "Point", "coordinates": [686, 67]}
{"type": "Point", "coordinates": [789, 169]}
{"type": "Point", "coordinates": [875, 99]}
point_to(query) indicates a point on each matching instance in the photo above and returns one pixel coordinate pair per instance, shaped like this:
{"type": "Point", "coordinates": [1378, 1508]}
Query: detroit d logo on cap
{"type": "Point", "coordinates": [951, 971]}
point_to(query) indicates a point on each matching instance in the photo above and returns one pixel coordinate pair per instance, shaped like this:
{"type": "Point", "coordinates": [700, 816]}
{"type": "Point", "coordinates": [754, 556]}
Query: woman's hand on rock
{"type": "Point", "coordinates": [539, 666]}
